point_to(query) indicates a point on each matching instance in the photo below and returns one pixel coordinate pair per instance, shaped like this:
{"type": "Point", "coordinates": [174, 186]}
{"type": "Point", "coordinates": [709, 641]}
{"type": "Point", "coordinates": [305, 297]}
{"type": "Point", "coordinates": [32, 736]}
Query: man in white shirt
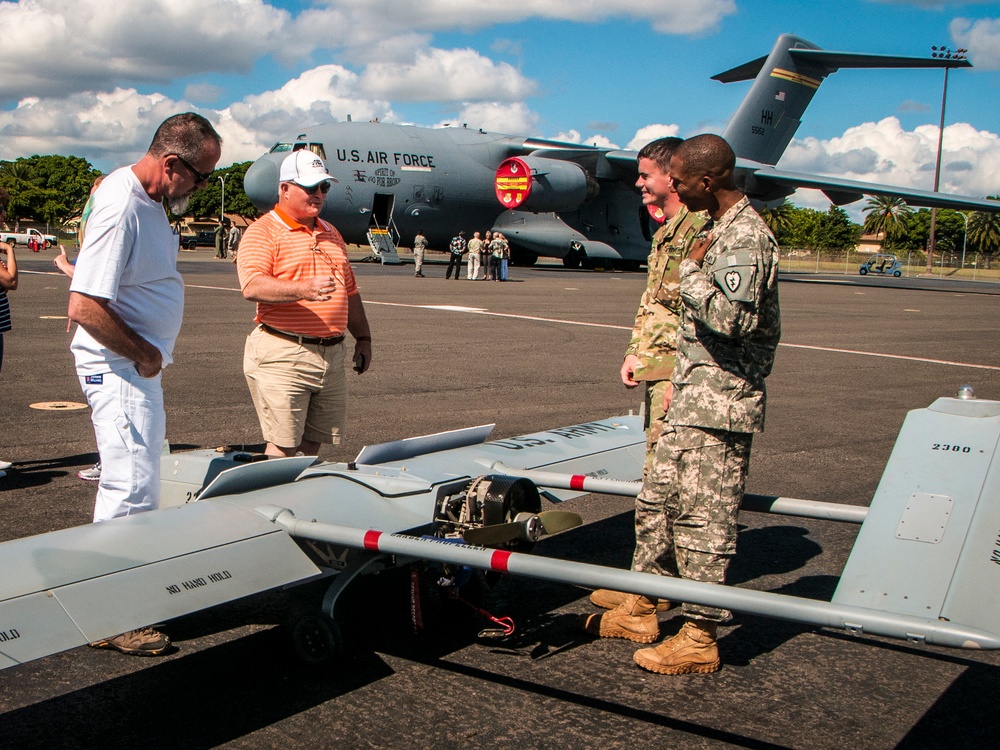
{"type": "Point", "coordinates": [128, 299]}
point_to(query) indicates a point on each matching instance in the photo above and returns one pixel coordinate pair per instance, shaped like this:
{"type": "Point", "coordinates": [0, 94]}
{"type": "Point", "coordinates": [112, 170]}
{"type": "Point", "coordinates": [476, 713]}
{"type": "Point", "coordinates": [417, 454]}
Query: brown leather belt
{"type": "Point", "coordinates": [313, 340]}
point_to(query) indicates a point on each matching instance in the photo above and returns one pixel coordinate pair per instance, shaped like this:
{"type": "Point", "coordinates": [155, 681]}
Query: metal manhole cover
{"type": "Point", "coordinates": [58, 405]}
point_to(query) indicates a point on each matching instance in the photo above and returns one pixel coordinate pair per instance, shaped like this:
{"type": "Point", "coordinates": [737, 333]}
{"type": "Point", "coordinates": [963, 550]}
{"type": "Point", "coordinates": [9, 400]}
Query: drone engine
{"type": "Point", "coordinates": [490, 500]}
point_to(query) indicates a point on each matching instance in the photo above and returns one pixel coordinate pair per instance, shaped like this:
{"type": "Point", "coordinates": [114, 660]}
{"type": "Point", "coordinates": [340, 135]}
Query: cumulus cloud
{"type": "Point", "coordinates": [981, 38]}
{"type": "Point", "coordinates": [650, 133]}
{"type": "Point", "coordinates": [446, 75]}
{"type": "Point", "coordinates": [495, 117]}
{"type": "Point", "coordinates": [883, 152]}
{"type": "Point", "coordinates": [93, 44]}
{"type": "Point", "coordinates": [370, 18]}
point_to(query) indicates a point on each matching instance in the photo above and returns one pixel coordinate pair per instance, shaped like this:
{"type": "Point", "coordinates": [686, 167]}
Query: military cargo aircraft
{"type": "Point", "coordinates": [233, 525]}
{"type": "Point", "coordinates": [564, 200]}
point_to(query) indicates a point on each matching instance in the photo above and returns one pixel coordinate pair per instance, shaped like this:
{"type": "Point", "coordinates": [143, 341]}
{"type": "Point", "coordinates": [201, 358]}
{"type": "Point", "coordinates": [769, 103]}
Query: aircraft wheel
{"type": "Point", "coordinates": [571, 261]}
{"type": "Point", "coordinates": [317, 640]}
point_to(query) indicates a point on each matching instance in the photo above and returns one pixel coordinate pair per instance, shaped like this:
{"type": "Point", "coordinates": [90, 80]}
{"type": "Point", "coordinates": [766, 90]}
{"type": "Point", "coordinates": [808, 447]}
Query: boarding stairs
{"type": "Point", "coordinates": [383, 244]}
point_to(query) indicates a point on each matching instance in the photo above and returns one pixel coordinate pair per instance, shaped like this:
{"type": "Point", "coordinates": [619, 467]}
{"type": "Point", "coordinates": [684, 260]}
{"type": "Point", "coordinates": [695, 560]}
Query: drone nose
{"type": "Point", "coordinates": [261, 184]}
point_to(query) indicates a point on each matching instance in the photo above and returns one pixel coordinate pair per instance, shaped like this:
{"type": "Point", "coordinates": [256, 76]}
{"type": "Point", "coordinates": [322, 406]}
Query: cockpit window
{"type": "Point", "coordinates": [316, 148]}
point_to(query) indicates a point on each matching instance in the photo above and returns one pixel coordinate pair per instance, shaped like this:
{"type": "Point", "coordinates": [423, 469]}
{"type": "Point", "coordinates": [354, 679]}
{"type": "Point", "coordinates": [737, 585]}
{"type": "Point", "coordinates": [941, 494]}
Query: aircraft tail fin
{"type": "Point", "coordinates": [784, 85]}
{"type": "Point", "coordinates": [930, 545]}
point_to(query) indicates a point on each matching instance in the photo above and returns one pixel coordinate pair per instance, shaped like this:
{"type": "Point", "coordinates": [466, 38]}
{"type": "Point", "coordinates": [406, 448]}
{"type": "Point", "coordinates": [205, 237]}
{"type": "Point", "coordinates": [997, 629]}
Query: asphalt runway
{"type": "Point", "coordinates": [540, 351]}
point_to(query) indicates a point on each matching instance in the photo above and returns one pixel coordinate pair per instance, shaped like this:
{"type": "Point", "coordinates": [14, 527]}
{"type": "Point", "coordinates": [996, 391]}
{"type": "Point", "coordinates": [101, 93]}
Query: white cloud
{"type": "Point", "coordinates": [446, 75]}
{"type": "Point", "coordinates": [574, 136]}
{"type": "Point", "coordinates": [884, 153]}
{"type": "Point", "coordinates": [495, 117]}
{"type": "Point", "coordinates": [368, 19]}
{"type": "Point", "coordinates": [981, 38]}
{"type": "Point", "coordinates": [89, 44]}
{"type": "Point", "coordinates": [650, 133]}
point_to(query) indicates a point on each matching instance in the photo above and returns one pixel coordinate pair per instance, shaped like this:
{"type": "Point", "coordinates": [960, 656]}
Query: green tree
{"type": "Point", "coordinates": [208, 201]}
{"type": "Point", "coordinates": [887, 216]}
{"type": "Point", "coordinates": [836, 232]}
{"type": "Point", "coordinates": [984, 232]}
{"type": "Point", "coordinates": [778, 219]}
{"type": "Point", "coordinates": [51, 188]}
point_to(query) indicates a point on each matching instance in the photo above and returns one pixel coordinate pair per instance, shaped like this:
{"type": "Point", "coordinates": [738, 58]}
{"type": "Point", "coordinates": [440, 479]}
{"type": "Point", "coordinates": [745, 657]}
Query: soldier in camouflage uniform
{"type": "Point", "coordinates": [729, 331]}
{"type": "Point", "coordinates": [649, 357]}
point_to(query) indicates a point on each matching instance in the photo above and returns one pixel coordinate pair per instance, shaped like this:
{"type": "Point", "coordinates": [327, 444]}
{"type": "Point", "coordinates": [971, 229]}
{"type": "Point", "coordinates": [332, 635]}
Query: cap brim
{"type": "Point", "coordinates": [312, 181]}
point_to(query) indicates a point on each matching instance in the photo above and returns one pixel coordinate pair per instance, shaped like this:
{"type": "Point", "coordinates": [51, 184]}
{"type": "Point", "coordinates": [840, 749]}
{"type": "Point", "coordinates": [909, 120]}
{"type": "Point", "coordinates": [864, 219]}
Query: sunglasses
{"type": "Point", "coordinates": [323, 187]}
{"type": "Point", "coordinates": [199, 176]}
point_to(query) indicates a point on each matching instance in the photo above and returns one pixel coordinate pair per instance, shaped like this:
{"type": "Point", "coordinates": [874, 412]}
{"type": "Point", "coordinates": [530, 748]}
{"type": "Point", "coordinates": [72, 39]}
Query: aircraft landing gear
{"type": "Point", "coordinates": [316, 639]}
{"type": "Point", "coordinates": [571, 260]}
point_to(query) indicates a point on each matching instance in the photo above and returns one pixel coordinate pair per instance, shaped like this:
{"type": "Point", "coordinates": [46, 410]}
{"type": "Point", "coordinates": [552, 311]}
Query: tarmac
{"type": "Point", "coordinates": [539, 351]}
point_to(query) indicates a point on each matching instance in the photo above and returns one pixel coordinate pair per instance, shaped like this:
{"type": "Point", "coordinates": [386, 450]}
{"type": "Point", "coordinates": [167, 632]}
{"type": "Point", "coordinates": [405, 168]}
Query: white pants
{"type": "Point", "coordinates": [473, 265]}
{"type": "Point", "coordinates": [130, 425]}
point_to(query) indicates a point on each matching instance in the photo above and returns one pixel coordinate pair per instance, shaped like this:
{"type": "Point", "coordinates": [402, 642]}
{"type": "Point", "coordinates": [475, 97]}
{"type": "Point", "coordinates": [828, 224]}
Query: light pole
{"type": "Point", "coordinates": [945, 53]}
{"type": "Point", "coordinates": [222, 213]}
{"type": "Point", "coordinates": [965, 237]}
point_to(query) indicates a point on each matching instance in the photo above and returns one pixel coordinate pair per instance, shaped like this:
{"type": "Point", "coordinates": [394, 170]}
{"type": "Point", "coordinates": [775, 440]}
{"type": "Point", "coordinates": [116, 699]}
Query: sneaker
{"type": "Point", "coordinates": [93, 474]}
{"type": "Point", "coordinates": [4, 465]}
{"type": "Point", "coordinates": [144, 642]}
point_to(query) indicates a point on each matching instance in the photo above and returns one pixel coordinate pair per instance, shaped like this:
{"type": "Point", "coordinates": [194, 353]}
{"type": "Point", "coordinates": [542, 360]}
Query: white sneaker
{"type": "Point", "coordinates": [4, 465]}
{"type": "Point", "coordinates": [93, 474]}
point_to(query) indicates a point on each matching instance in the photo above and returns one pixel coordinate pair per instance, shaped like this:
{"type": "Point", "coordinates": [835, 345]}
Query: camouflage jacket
{"type": "Point", "coordinates": [730, 326]}
{"type": "Point", "coordinates": [654, 335]}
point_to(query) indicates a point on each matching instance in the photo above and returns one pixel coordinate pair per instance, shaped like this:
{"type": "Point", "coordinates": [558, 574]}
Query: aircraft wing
{"type": "Point", "coordinates": [71, 587]}
{"type": "Point", "coordinates": [763, 180]}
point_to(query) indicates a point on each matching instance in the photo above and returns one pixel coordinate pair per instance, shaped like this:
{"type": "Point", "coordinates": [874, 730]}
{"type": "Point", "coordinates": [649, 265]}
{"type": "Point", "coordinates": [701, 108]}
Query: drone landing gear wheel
{"type": "Point", "coordinates": [317, 640]}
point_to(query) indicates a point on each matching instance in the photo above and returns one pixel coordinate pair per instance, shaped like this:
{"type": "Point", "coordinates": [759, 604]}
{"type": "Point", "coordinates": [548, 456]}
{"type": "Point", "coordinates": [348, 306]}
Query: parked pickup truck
{"type": "Point", "coordinates": [21, 238]}
{"type": "Point", "coordinates": [205, 238]}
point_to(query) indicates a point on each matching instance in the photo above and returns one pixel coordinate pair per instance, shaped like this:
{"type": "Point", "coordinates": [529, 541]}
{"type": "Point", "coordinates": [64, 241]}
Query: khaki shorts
{"type": "Point", "coordinates": [298, 390]}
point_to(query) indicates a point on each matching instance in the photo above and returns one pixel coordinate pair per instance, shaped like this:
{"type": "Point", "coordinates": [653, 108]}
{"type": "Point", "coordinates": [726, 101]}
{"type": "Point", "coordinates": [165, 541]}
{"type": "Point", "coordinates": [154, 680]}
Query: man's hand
{"type": "Point", "coordinates": [699, 248]}
{"type": "Point", "coordinates": [150, 366]}
{"type": "Point", "coordinates": [628, 371]}
{"type": "Point", "coordinates": [668, 396]}
{"type": "Point", "coordinates": [362, 356]}
{"type": "Point", "coordinates": [319, 288]}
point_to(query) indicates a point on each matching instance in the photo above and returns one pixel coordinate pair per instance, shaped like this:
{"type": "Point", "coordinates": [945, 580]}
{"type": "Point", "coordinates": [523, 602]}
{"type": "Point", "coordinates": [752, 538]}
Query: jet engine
{"type": "Point", "coordinates": [541, 185]}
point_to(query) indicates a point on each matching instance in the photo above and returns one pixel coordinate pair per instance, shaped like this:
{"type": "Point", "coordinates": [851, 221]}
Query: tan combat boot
{"type": "Point", "coordinates": [634, 619]}
{"type": "Point", "coordinates": [609, 599]}
{"type": "Point", "coordinates": [692, 650]}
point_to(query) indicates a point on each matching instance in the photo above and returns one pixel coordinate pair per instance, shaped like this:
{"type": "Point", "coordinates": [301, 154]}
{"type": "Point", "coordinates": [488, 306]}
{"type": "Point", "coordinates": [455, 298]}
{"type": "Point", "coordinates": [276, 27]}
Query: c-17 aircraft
{"type": "Point", "coordinates": [232, 526]}
{"type": "Point", "coordinates": [565, 200]}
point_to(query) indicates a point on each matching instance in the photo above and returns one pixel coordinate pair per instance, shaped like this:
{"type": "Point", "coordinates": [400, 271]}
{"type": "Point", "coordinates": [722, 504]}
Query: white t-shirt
{"type": "Point", "coordinates": [129, 256]}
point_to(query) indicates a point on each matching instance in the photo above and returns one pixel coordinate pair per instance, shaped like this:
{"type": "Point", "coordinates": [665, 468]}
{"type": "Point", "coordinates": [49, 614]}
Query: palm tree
{"type": "Point", "coordinates": [887, 216]}
{"type": "Point", "coordinates": [984, 232]}
{"type": "Point", "coordinates": [778, 218]}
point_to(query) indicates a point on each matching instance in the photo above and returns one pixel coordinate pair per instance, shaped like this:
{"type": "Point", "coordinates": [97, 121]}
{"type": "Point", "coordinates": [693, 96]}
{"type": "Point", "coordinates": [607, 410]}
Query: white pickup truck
{"type": "Point", "coordinates": [22, 238]}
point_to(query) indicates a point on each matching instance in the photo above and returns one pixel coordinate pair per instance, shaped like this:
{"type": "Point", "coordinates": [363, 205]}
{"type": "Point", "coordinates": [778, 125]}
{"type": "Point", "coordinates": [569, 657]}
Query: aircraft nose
{"type": "Point", "coordinates": [261, 184]}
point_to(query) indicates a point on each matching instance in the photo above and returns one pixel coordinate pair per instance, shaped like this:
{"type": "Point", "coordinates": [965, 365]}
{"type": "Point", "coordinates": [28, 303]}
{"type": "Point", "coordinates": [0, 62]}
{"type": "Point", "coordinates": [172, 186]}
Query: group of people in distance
{"type": "Point", "coordinates": [704, 341]}
{"type": "Point", "coordinates": [491, 255]}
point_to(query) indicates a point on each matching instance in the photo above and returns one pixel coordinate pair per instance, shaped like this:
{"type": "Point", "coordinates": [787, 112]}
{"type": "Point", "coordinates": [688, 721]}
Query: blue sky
{"type": "Point", "coordinates": [617, 73]}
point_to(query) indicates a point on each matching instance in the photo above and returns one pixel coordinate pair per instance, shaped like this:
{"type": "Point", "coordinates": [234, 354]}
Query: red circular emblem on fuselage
{"type": "Point", "coordinates": [513, 182]}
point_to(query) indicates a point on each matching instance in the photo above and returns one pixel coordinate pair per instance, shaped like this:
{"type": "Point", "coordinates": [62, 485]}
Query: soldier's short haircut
{"type": "Point", "coordinates": [660, 151]}
{"type": "Point", "coordinates": [709, 155]}
{"type": "Point", "coordinates": [185, 135]}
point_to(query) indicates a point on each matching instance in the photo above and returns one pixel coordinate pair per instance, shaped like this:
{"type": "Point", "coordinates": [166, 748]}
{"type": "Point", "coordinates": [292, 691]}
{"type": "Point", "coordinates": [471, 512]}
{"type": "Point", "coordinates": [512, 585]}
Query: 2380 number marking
{"type": "Point", "coordinates": [952, 448]}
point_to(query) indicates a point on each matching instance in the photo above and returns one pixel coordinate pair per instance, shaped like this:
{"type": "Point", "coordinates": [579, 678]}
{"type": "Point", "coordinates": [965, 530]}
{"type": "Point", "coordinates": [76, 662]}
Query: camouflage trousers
{"type": "Point", "coordinates": [685, 514]}
{"type": "Point", "coordinates": [653, 397]}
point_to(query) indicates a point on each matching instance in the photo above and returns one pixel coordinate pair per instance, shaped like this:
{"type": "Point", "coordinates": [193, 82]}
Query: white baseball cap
{"type": "Point", "coordinates": [304, 168]}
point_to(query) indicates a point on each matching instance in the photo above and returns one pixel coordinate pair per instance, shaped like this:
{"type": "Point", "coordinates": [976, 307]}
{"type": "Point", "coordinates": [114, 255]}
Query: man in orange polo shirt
{"type": "Point", "coordinates": [294, 266]}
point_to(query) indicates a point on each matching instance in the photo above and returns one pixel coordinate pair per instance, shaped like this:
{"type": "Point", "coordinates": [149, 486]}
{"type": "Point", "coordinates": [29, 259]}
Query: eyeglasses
{"type": "Point", "coordinates": [199, 176]}
{"type": "Point", "coordinates": [323, 187]}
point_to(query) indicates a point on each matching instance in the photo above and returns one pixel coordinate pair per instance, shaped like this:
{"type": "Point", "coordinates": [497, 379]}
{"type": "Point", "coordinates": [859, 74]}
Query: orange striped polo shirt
{"type": "Point", "coordinates": [277, 245]}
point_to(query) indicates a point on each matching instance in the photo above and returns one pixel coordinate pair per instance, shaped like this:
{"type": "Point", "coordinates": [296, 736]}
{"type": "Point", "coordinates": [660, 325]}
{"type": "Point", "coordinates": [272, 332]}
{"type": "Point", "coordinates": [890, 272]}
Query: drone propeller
{"type": "Point", "coordinates": [526, 527]}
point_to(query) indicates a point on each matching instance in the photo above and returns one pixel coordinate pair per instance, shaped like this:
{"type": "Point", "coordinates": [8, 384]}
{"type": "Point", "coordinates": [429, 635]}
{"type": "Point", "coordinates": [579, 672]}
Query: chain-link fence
{"type": "Point", "coordinates": [948, 264]}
